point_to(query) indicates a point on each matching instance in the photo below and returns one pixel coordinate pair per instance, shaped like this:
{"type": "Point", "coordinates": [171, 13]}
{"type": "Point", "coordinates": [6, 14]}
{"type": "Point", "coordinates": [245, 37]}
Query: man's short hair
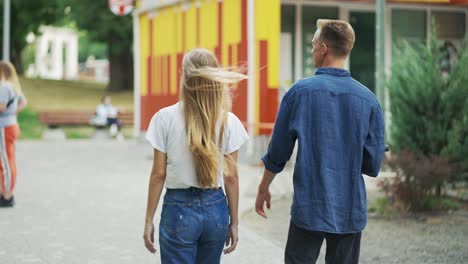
{"type": "Point", "coordinates": [337, 35]}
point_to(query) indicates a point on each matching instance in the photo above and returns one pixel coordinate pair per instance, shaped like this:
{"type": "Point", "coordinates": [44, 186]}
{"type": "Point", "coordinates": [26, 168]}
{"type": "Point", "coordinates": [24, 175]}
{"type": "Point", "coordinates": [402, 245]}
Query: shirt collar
{"type": "Point", "coordinates": [333, 71]}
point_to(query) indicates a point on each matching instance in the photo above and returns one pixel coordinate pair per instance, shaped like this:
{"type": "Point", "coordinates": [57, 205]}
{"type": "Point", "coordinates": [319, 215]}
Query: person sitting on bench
{"type": "Point", "coordinates": [107, 115]}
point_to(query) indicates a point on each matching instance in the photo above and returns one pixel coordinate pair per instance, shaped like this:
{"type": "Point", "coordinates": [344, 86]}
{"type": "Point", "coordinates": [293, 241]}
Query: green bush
{"type": "Point", "coordinates": [29, 124]}
{"type": "Point", "coordinates": [429, 128]}
{"type": "Point", "coordinates": [379, 205]}
{"type": "Point", "coordinates": [430, 109]}
{"type": "Point", "coordinates": [457, 98]}
{"type": "Point", "coordinates": [458, 143]}
{"type": "Point", "coordinates": [425, 105]}
{"type": "Point", "coordinates": [416, 180]}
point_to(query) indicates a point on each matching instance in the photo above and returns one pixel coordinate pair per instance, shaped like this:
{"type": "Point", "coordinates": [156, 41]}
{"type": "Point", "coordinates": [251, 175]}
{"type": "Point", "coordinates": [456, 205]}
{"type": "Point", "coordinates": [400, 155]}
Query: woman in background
{"type": "Point", "coordinates": [12, 101]}
{"type": "Point", "coordinates": [195, 154]}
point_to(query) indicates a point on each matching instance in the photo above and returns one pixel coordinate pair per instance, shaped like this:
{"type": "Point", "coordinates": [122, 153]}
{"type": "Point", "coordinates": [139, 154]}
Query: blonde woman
{"type": "Point", "coordinates": [195, 154]}
{"type": "Point", "coordinates": [12, 101]}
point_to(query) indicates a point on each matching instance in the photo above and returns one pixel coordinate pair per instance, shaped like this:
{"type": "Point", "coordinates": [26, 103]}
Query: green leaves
{"type": "Point", "coordinates": [27, 16]}
{"type": "Point", "coordinates": [429, 106]}
{"type": "Point", "coordinates": [102, 25]}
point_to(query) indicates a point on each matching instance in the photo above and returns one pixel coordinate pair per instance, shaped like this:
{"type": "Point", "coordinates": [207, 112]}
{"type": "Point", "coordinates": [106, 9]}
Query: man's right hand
{"type": "Point", "coordinates": [263, 196]}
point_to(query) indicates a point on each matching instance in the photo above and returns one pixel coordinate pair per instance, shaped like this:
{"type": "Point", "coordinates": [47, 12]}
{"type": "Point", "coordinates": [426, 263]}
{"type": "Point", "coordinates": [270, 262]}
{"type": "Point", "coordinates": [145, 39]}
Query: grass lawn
{"type": "Point", "coordinates": [65, 95]}
{"type": "Point", "coordinates": [73, 95]}
{"type": "Point", "coordinates": [30, 126]}
{"type": "Point", "coordinates": [81, 132]}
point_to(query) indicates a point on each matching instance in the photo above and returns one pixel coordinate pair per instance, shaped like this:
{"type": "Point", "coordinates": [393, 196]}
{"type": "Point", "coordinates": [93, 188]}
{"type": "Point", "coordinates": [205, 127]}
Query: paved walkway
{"type": "Point", "coordinates": [84, 202]}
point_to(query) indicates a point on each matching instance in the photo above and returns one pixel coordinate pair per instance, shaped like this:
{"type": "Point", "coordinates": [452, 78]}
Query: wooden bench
{"type": "Point", "coordinates": [57, 118]}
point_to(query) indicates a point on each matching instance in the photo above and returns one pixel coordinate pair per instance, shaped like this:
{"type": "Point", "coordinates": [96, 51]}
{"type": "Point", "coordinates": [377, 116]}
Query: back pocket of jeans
{"type": "Point", "coordinates": [174, 218]}
{"type": "Point", "coordinates": [219, 212]}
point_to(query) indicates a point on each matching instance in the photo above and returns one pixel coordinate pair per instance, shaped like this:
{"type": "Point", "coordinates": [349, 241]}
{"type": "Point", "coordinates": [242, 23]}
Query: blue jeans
{"type": "Point", "coordinates": [194, 226]}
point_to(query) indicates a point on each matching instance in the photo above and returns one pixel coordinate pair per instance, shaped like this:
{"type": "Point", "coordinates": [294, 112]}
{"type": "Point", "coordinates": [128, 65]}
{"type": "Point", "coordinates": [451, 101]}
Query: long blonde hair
{"type": "Point", "coordinates": [206, 102]}
{"type": "Point", "coordinates": [8, 75]}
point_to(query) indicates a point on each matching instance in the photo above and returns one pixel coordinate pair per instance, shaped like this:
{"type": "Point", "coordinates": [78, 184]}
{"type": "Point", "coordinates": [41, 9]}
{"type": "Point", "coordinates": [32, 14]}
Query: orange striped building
{"type": "Point", "coordinates": [271, 38]}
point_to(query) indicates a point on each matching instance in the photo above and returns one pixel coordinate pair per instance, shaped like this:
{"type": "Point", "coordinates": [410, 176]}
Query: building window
{"type": "Point", "coordinates": [450, 28]}
{"type": "Point", "coordinates": [449, 25]}
{"type": "Point", "coordinates": [408, 25]}
{"type": "Point", "coordinates": [288, 24]}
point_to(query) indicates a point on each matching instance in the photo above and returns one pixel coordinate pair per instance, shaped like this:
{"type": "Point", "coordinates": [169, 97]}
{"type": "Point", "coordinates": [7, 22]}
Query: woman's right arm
{"type": "Point", "coordinates": [231, 183]}
{"type": "Point", "coordinates": [22, 103]}
{"type": "Point", "coordinates": [156, 184]}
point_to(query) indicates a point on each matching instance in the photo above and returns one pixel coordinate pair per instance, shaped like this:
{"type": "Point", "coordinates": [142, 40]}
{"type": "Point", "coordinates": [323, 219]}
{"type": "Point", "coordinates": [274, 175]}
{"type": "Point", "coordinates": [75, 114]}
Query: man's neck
{"type": "Point", "coordinates": [334, 64]}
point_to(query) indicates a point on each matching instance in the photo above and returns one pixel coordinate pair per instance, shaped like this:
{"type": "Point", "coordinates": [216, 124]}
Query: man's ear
{"type": "Point", "coordinates": [324, 48]}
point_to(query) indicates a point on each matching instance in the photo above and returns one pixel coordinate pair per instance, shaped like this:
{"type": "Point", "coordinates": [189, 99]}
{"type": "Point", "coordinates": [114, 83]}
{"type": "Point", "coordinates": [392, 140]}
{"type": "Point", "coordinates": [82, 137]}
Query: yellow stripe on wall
{"type": "Point", "coordinates": [267, 27]}
{"type": "Point", "coordinates": [178, 28]}
{"type": "Point", "coordinates": [156, 89]}
{"type": "Point", "coordinates": [274, 31]}
{"type": "Point", "coordinates": [209, 24]}
{"type": "Point", "coordinates": [191, 26]}
{"type": "Point", "coordinates": [231, 26]}
{"type": "Point", "coordinates": [156, 32]}
{"type": "Point", "coordinates": [176, 47]}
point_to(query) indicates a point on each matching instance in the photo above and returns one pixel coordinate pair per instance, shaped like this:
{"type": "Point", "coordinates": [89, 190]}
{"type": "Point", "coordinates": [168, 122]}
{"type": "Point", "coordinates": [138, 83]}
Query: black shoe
{"type": "Point", "coordinates": [7, 202]}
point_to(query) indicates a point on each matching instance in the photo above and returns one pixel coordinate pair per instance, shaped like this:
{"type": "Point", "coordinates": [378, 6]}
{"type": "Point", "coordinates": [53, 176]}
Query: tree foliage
{"type": "Point", "coordinates": [426, 105]}
{"type": "Point", "coordinates": [101, 24]}
{"type": "Point", "coordinates": [116, 31]}
{"type": "Point", "coordinates": [428, 92]}
{"type": "Point", "coordinates": [27, 16]}
{"type": "Point", "coordinates": [93, 16]}
{"type": "Point", "coordinates": [457, 147]}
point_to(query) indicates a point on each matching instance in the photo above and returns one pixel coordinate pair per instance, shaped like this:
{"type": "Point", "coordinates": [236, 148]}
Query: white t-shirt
{"type": "Point", "coordinates": [106, 111]}
{"type": "Point", "coordinates": [166, 133]}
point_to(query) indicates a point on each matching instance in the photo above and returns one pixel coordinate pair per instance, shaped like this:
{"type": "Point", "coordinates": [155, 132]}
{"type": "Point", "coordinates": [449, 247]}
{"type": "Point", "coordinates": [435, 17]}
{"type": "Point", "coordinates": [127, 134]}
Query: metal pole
{"type": "Point", "coordinates": [136, 76]}
{"type": "Point", "coordinates": [251, 70]}
{"type": "Point", "coordinates": [380, 51]}
{"type": "Point", "coordinates": [6, 30]}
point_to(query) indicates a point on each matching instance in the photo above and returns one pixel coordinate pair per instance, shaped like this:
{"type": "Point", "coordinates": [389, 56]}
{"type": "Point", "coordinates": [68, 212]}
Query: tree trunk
{"type": "Point", "coordinates": [15, 58]}
{"type": "Point", "coordinates": [439, 190]}
{"type": "Point", "coordinates": [121, 68]}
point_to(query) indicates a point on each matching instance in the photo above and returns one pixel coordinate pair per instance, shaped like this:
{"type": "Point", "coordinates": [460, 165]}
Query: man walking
{"type": "Point", "coordinates": [339, 125]}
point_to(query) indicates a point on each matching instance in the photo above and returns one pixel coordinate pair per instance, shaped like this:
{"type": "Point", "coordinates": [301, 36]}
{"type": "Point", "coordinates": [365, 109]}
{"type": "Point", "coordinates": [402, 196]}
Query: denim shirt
{"type": "Point", "coordinates": [339, 126]}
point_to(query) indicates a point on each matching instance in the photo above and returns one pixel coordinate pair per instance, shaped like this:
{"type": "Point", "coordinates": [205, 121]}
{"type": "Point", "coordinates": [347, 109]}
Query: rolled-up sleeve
{"type": "Point", "coordinates": [282, 140]}
{"type": "Point", "coordinates": [374, 147]}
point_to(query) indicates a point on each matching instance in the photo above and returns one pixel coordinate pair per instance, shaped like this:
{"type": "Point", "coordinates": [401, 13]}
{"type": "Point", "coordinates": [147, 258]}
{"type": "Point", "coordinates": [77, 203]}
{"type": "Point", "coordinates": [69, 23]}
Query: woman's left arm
{"type": "Point", "coordinates": [156, 184]}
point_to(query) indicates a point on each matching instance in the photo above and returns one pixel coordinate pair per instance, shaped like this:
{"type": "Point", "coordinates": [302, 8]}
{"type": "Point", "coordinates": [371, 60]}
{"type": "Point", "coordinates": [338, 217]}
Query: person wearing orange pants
{"type": "Point", "coordinates": [12, 101]}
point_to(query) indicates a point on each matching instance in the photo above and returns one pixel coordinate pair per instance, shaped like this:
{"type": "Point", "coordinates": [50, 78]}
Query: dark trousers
{"type": "Point", "coordinates": [116, 121]}
{"type": "Point", "coordinates": [303, 246]}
